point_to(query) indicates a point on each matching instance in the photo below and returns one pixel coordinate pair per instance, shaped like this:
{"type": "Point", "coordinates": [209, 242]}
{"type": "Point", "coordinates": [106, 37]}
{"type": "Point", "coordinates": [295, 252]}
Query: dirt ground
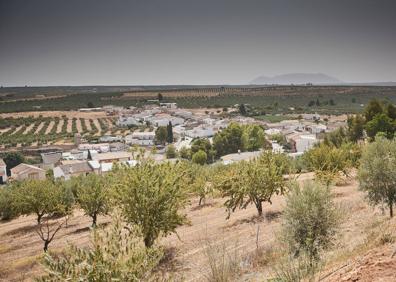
{"type": "Point", "coordinates": [50, 126]}
{"type": "Point", "coordinates": [353, 258]}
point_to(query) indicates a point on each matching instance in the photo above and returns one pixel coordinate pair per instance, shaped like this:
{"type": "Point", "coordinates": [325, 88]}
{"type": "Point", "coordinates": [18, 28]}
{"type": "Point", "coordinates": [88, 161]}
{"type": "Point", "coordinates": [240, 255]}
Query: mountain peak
{"type": "Point", "coordinates": [297, 78]}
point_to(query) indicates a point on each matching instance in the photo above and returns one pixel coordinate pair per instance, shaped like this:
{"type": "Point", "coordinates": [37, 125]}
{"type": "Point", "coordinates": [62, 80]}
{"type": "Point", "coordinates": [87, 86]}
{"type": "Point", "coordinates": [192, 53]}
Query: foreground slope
{"type": "Point", "coordinates": [362, 249]}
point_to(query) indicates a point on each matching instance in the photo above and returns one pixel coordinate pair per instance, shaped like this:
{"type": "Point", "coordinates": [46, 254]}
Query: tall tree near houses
{"type": "Point", "coordinates": [169, 129]}
{"type": "Point", "coordinates": [161, 135]}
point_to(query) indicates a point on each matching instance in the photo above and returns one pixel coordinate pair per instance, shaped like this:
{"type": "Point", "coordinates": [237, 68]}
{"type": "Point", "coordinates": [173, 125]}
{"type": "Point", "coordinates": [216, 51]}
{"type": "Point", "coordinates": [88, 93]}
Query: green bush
{"type": "Point", "coordinates": [311, 220]}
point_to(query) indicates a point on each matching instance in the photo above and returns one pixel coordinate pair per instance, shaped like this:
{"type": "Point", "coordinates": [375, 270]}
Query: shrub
{"type": "Point", "coordinates": [222, 263]}
{"type": "Point", "coordinates": [114, 255]}
{"type": "Point", "coordinates": [310, 220]}
{"type": "Point", "coordinates": [200, 157]}
{"type": "Point", "coordinates": [171, 152]}
{"type": "Point", "coordinates": [329, 162]}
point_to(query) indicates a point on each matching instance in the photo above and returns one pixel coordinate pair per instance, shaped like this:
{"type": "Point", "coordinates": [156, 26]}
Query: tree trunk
{"type": "Point", "coordinates": [259, 207]}
{"type": "Point", "coordinates": [148, 241]}
{"type": "Point", "coordinates": [39, 216]}
{"type": "Point", "coordinates": [94, 218]}
{"type": "Point", "coordinates": [46, 243]}
{"type": "Point", "coordinates": [391, 209]}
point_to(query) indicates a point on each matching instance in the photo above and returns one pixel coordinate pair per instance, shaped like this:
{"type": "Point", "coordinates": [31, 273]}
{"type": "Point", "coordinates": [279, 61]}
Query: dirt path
{"type": "Point", "coordinates": [27, 130]}
{"type": "Point", "coordinates": [110, 124]}
{"type": "Point", "coordinates": [5, 130]}
{"type": "Point", "coordinates": [39, 127]}
{"type": "Point", "coordinates": [59, 126]}
{"type": "Point", "coordinates": [97, 124]}
{"type": "Point", "coordinates": [69, 125]}
{"type": "Point", "coordinates": [79, 127]}
{"type": "Point", "coordinates": [16, 130]}
{"type": "Point", "coordinates": [50, 126]}
{"type": "Point", "coordinates": [88, 124]}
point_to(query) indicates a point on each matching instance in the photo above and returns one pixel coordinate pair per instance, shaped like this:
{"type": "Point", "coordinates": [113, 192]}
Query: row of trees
{"type": "Point", "coordinates": [149, 198]}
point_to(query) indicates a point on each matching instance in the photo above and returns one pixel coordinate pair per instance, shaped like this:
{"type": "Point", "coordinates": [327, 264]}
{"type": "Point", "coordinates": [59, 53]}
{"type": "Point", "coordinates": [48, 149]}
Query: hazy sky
{"type": "Point", "coordinates": [86, 42]}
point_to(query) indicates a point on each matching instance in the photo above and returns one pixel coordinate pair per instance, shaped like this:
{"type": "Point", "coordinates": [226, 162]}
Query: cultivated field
{"type": "Point", "coordinates": [41, 128]}
{"type": "Point", "coordinates": [269, 99]}
{"type": "Point", "coordinates": [359, 251]}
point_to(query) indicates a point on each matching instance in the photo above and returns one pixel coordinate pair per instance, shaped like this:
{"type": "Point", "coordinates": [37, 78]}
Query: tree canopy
{"type": "Point", "coordinates": [150, 197]}
{"type": "Point", "coordinates": [254, 182]}
{"type": "Point", "coordinates": [376, 173]}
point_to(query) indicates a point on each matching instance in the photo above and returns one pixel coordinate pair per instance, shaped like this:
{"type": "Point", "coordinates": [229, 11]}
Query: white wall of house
{"type": "Point", "coordinates": [3, 174]}
{"type": "Point", "coordinates": [305, 142]}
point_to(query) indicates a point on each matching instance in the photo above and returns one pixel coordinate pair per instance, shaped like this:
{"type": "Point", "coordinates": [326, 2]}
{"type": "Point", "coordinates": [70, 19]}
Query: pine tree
{"type": "Point", "coordinates": [169, 129]}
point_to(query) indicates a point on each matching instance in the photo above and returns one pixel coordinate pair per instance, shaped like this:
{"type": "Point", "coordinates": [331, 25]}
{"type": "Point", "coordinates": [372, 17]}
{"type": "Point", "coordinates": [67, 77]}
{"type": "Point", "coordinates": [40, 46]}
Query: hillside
{"type": "Point", "coordinates": [361, 253]}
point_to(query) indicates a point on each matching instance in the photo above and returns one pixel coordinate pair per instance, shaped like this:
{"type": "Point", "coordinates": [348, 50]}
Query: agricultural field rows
{"type": "Point", "coordinates": [26, 131]}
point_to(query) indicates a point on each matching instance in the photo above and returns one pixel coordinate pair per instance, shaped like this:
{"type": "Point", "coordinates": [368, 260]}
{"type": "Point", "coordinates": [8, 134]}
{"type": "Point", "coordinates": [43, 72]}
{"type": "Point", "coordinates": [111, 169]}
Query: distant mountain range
{"type": "Point", "coordinates": [297, 78]}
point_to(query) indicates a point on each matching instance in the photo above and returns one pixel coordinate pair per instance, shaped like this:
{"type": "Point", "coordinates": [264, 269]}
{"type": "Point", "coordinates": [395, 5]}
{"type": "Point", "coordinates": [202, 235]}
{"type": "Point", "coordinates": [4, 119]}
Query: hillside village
{"type": "Point", "coordinates": [291, 136]}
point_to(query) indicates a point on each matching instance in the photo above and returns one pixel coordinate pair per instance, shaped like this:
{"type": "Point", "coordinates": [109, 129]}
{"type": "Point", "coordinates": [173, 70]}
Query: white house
{"type": "Point", "coordinates": [27, 171]}
{"type": "Point", "coordinates": [304, 142]}
{"type": "Point", "coordinates": [141, 138]}
{"type": "Point", "coordinates": [109, 138]}
{"type": "Point", "coordinates": [276, 148]}
{"type": "Point", "coordinates": [168, 105]}
{"type": "Point", "coordinates": [3, 172]}
{"type": "Point", "coordinates": [237, 157]}
{"type": "Point", "coordinates": [272, 131]}
{"type": "Point", "coordinates": [317, 128]}
{"type": "Point", "coordinates": [163, 120]}
{"type": "Point", "coordinates": [314, 116]}
{"type": "Point", "coordinates": [200, 132]}
{"type": "Point", "coordinates": [183, 114]}
{"type": "Point", "coordinates": [128, 121]}
{"type": "Point", "coordinates": [101, 147]}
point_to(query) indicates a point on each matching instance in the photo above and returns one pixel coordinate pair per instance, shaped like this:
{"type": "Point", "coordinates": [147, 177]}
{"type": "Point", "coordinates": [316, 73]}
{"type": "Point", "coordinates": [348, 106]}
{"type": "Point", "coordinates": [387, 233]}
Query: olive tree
{"type": "Point", "coordinates": [150, 197]}
{"type": "Point", "coordinates": [254, 182]}
{"type": "Point", "coordinates": [376, 173]}
{"type": "Point", "coordinates": [311, 220]}
{"type": "Point", "coordinates": [94, 196]}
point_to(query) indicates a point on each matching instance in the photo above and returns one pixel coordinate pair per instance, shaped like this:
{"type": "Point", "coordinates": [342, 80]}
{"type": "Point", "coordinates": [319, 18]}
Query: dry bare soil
{"type": "Point", "coordinates": [361, 252]}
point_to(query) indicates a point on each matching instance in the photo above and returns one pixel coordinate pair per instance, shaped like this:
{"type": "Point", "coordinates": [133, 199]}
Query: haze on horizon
{"type": "Point", "coordinates": [96, 42]}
